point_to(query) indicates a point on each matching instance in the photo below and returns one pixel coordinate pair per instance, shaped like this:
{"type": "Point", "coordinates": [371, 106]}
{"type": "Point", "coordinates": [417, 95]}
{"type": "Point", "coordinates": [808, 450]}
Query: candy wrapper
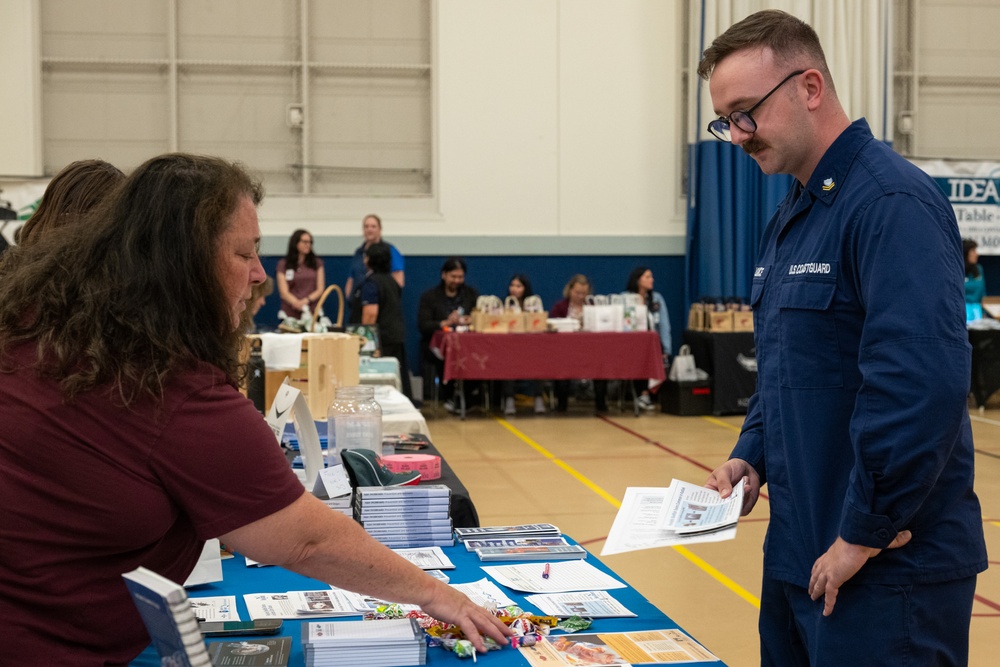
{"type": "Point", "coordinates": [574, 624]}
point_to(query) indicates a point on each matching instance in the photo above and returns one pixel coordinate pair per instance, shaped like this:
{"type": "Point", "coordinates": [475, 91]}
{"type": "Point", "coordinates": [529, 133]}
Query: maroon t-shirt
{"type": "Point", "coordinates": [90, 490]}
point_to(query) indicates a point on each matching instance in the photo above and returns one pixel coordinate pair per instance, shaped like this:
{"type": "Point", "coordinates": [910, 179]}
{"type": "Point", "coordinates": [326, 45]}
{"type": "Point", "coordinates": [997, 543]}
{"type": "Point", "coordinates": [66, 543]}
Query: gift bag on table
{"type": "Point", "coordinates": [513, 315]}
{"type": "Point", "coordinates": [535, 318]}
{"type": "Point", "coordinates": [683, 368]}
{"type": "Point", "coordinates": [489, 317]}
{"type": "Point", "coordinates": [636, 313]}
{"type": "Point", "coordinates": [599, 314]}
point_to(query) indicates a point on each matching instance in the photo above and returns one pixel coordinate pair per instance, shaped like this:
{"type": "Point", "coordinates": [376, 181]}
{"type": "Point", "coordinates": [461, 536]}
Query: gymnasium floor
{"type": "Point", "coordinates": [572, 470]}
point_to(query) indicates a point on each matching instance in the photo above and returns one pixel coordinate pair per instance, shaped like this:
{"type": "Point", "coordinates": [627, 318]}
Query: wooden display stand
{"type": "Point", "coordinates": [329, 360]}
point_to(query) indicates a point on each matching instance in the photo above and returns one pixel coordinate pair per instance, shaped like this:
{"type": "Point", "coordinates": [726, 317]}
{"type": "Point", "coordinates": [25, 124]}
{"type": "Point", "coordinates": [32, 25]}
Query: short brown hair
{"type": "Point", "coordinates": [788, 38]}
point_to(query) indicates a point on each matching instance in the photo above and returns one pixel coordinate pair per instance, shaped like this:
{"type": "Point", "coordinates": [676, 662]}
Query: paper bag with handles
{"type": "Point", "coordinates": [536, 320]}
{"type": "Point", "coordinates": [514, 316]}
{"type": "Point", "coordinates": [599, 314]}
{"type": "Point", "coordinates": [489, 317]}
{"type": "Point", "coordinates": [636, 315]}
{"type": "Point", "coordinates": [683, 368]}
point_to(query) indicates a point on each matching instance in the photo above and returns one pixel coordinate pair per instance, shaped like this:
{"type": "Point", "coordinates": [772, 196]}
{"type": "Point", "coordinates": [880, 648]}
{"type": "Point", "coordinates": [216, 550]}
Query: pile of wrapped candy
{"type": "Point", "coordinates": [528, 628]}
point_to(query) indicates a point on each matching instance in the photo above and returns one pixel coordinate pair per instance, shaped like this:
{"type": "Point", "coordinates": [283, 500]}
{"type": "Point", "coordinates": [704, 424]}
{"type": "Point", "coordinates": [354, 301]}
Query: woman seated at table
{"type": "Point", "coordinates": [519, 287]}
{"type": "Point", "coordinates": [571, 305]}
{"type": "Point", "coordinates": [640, 281]}
{"type": "Point", "coordinates": [124, 440]}
{"type": "Point", "coordinates": [975, 282]}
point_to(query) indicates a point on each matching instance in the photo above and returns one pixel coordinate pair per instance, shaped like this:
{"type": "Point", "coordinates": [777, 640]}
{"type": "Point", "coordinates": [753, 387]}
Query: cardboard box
{"type": "Point", "coordinates": [687, 398]}
{"type": "Point", "coordinates": [742, 320]}
{"type": "Point", "coordinates": [720, 320]}
{"type": "Point", "coordinates": [696, 317]}
{"type": "Point", "coordinates": [327, 361]}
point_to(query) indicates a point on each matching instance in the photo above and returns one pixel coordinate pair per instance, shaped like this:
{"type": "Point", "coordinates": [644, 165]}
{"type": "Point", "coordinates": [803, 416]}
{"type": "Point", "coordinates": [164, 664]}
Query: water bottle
{"type": "Point", "coordinates": [256, 375]}
{"type": "Point", "coordinates": [354, 420]}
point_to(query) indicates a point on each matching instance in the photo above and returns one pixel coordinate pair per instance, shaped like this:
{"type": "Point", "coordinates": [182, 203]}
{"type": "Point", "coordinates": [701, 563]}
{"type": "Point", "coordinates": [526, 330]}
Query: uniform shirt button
{"type": "Point", "coordinates": [883, 533]}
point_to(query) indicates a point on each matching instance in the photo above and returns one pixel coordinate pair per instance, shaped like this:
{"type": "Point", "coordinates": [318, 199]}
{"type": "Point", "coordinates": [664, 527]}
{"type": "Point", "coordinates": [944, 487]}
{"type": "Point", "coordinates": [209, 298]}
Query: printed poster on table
{"type": "Point", "coordinates": [616, 649]}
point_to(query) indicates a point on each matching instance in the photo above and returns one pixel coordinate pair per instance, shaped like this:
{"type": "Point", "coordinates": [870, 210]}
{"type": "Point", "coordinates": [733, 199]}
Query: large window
{"type": "Point", "coordinates": [328, 97]}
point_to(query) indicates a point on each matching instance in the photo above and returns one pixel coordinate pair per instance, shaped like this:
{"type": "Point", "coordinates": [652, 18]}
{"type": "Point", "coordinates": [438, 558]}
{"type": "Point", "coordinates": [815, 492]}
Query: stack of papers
{"type": "Point", "coordinates": [406, 516]}
{"type": "Point", "coordinates": [384, 643]}
{"type": "Point", "coordinates": [682, 513]}
{"type": "Point", "coordinates": [501, 532]}
{"type": "Point", "coordinates": [564, 552]}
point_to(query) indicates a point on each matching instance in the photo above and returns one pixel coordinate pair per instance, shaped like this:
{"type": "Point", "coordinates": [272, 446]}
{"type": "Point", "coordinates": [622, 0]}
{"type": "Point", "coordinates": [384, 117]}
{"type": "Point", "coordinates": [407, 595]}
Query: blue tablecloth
{"type": "Point", "coordinates": [240, 580]}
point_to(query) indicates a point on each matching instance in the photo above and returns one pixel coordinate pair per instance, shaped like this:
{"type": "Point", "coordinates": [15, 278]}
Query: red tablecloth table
{"type": "Point", "coordinates": [550, 356]}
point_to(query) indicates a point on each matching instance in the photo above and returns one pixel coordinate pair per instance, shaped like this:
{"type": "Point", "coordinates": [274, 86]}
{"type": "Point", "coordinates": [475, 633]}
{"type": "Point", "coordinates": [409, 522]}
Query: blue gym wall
{"type": "Point", "coordinates": [490, 274]}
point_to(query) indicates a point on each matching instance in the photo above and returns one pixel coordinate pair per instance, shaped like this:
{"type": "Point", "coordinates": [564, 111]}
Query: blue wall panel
{"type": "Point", "coordinates": [490, 275]}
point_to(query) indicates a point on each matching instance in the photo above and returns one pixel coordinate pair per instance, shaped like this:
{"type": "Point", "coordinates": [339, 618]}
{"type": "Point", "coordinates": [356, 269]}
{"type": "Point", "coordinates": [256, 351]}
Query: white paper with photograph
{"type": "Point", "coordinates": [483, 592]}
{"type": "Point", "coordinates": [638, 524]}
{"type": "Point", "coordinates": [296, 604]}
{"type": "Point", "coordinates": [618, 649]}
{"type": "Point", "coordinates": [427, 558]}
{"type": "Point", "coordinates": [220, 608]}
{"type": "Point", "coordinates": [589, 604]}
{"type": "Point", "coordinates": [697, 509]}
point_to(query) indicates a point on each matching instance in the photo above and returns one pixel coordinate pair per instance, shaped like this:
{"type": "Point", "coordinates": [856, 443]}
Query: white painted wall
{"type": "Point", "coordinates": [20, 113]}
{"type": "Point", "coordinates": [554, 120]}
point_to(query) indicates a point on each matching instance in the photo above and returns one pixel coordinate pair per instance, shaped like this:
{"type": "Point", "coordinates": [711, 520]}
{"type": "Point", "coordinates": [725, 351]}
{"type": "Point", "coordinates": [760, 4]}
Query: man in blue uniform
{"type": "Point", "coordinates": [859, 425]}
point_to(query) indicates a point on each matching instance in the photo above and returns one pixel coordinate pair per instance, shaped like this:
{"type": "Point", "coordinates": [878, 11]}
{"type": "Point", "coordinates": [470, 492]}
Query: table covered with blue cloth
{"type": "Point", "coordinates": [240, 579]}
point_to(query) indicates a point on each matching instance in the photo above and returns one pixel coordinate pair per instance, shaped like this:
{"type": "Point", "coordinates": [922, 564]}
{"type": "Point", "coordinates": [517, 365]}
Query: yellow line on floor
{"type": "Point", "coordinates": [562, 464]}
{"type": "Point", "coordinates": [699, 562]}
{"type": "Point", "coordinates": [719, 422]}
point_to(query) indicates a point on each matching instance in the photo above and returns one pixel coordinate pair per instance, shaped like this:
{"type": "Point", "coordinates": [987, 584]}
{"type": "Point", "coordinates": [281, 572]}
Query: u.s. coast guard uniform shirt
{"type": "Point", "coordinates": [859, 425]}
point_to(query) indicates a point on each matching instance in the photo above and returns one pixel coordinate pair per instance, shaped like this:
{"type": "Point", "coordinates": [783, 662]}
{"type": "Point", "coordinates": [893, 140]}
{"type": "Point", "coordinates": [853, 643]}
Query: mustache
{"type": "Point", "coordinates": [752, 146]}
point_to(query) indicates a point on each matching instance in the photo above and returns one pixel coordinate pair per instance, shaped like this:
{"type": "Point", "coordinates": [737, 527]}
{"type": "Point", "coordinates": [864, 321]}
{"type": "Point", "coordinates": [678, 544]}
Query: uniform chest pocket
{"type": "Point", "coordinates": [810, 354]}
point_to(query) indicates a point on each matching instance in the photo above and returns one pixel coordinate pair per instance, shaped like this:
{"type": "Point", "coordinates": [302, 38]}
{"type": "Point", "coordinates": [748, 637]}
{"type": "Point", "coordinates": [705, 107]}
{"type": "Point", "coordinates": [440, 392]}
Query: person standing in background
{"type": "Point", "coordinates": [378, 299]}
{"type": "Point", "coordinates": [975, 281]}
{"type": "Point", "coordinates": [860, 425]}
{"type": "Point", "coordinates": [300, 275]}
{"type": "Point", "coordinates": [371, 230]}
{"type": "Point", "coordinates": [640, 281]}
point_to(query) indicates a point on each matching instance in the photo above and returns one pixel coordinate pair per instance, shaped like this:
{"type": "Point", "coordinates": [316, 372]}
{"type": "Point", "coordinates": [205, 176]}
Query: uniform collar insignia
{"type": "Point", "coordinates": [828, 184]}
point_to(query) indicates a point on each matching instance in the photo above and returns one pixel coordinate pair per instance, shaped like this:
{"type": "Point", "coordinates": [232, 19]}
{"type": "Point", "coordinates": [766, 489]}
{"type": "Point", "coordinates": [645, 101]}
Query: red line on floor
{"type": "Point", "coordinates": [690, 460]}
{"type": "Point", "coordinates": [989, 603]}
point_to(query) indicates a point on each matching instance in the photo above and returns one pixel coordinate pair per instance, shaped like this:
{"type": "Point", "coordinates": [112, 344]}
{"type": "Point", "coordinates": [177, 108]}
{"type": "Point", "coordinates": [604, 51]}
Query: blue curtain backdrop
{"type": "Point", "coordinates": [731, 202]}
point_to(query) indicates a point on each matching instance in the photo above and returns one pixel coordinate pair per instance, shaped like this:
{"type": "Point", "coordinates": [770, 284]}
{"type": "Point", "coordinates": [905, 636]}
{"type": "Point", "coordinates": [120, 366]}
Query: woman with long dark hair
{"type": "Point", "coordinates": [640, 281]}
{"type": "Point", "coordinates": [300, 275]}
{"type": "Point", "coordinates": [519, 287]}
{"type": "Point", "coordinates": [124, 440]}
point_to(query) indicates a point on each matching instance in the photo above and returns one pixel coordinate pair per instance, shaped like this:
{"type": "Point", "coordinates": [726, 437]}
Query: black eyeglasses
{"type": "Point", "coordinates": [743, 119]}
